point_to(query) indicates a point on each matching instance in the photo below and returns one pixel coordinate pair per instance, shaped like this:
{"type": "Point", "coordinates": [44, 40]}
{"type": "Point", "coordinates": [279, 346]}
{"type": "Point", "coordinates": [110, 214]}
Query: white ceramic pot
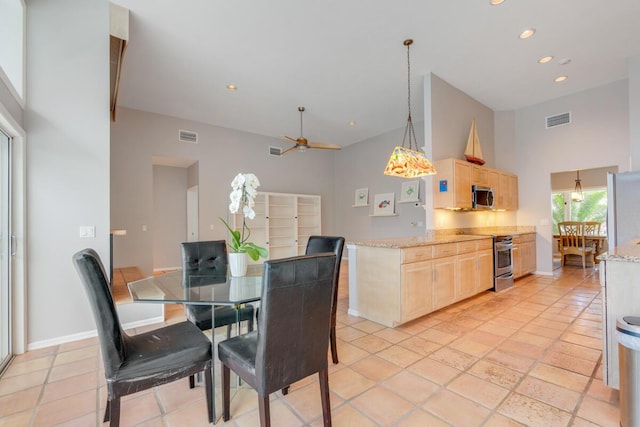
{"type": "Point", "coordinates": [238, 263]}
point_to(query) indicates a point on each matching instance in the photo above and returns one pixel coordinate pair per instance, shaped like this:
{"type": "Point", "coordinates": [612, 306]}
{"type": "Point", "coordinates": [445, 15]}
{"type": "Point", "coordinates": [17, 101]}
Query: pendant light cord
{"type": "Point", "coordinates": [408, 130]}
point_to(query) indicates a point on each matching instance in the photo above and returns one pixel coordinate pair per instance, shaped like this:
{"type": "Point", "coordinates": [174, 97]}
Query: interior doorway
{"type": "Point", "coordinates": [591, 205]}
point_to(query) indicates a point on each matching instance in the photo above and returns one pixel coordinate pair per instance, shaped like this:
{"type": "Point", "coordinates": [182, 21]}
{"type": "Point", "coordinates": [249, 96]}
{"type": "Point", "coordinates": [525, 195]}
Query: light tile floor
{"type": "Point", "coordinates": [530, 355]}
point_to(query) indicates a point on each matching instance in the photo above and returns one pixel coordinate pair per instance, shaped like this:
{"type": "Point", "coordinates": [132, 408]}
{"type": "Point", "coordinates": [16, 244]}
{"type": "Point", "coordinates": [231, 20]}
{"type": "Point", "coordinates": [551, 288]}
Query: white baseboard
{"type": "Point", "coordinates": [89, 334]}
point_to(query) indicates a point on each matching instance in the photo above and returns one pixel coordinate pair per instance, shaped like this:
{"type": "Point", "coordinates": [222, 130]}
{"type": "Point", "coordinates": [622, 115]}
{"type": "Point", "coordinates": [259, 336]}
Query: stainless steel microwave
{"type": "Point", "coordinates": [482, 197]}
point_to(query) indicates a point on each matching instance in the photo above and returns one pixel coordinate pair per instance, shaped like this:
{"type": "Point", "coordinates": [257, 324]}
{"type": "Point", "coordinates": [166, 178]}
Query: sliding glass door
{"type": "Point", "coordinates": [5, 251]}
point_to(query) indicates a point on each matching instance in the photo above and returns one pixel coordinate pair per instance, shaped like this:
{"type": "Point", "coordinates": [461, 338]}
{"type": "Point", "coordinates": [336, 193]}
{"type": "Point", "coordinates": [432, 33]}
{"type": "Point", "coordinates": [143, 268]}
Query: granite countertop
{"type": "Point", "coordinates": [410, 242]}
{"type": "Point", "coordinates": [626, 252]}
{"type": "Point", "coordinates": [436, 237]}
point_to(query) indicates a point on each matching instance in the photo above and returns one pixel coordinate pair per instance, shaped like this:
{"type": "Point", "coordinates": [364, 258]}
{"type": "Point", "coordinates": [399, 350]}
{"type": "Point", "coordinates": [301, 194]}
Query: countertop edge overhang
{"type": "Point", "coordinates": [626, 252]}
{"type": "Point", "coordinates": [436, 238]}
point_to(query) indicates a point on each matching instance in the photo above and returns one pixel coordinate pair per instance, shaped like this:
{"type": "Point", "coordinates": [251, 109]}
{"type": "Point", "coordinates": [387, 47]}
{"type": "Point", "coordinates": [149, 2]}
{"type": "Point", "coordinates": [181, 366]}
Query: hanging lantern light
{"type": "Point", "coordinates": [577, 195]}
{"type": "Point", "coordinates": [409, 162]}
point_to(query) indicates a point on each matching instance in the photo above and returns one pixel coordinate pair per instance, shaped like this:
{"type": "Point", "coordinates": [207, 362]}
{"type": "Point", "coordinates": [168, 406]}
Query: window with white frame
{"type": "Point", "coordinates": [12, 20]}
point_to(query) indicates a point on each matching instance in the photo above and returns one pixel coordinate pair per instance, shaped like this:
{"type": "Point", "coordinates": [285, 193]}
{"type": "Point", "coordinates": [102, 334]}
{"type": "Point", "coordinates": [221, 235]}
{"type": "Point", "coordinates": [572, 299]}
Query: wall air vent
{"type": "Point", "coordinates": [558, 120]}
{"type": "Point", "coordinates": [188, 136]}
{"type": "Point", "coordinates": [275, 151]}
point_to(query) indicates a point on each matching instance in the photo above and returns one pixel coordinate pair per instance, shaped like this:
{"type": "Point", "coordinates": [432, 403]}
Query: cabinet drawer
{"type": "Point", "coordinates": [485, 244]}
{"type": "Point", "coordinates": [418, 253]}
{"type": "Point", "coordinates": [466, 247]}
{"type": "Point", "coordinates": [445, 249]}
{"type": "Point", "coordinates": [529, 237]}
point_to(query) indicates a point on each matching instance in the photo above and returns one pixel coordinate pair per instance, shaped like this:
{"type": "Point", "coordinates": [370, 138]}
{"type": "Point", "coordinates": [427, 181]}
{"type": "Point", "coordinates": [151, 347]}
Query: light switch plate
{"type": "Point", "coordinates": [87, 231]}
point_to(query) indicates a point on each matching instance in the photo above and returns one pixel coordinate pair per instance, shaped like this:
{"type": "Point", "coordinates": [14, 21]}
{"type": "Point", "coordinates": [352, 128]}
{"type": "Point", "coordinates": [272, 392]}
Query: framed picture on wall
{"type": "Point", "coordinates": [362, 197]}
{"type": "Point", "coordinates": [410, 191]}
{"type": "Point", "coordinates": [384, 204]}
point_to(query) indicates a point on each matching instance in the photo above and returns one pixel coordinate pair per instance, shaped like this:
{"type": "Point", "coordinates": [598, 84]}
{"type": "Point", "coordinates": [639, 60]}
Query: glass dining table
{"type": "Point", "coordinates": [182, 287]}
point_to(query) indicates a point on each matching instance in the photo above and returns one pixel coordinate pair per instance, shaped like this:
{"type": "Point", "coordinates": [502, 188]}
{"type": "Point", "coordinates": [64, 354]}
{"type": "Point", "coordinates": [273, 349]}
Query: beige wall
{"type": "Point", "coordinates": [67, 124]}
{"type": "Point", "coordinates": [597, 137]}
{"type": "Point", "coordinates": [137, 137]}
{"type": "Point", "coordinates": [452, 112]}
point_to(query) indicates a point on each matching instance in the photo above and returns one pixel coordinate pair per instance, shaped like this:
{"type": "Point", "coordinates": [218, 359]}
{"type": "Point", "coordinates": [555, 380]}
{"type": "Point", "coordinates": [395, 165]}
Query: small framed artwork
{"type": "Point", "coordinates": [362, 197]}
{"type": "Point", "coordinates": [410, 191]}
{"type": "Point", "coordinates": [384, 204]}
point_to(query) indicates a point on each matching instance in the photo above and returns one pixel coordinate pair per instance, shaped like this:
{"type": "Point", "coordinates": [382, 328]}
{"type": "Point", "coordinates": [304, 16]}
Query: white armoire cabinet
{"type": "Point", "coordinates": [283, 223]}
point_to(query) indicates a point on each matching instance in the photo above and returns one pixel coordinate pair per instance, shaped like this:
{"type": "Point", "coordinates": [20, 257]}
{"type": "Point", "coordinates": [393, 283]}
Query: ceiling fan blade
{"type": "Point", "coordinates": [288, 138]}
{"type": "Point", "coordinates": [324, 145]}
{"type": "Point", "coordinates": [288, 149]}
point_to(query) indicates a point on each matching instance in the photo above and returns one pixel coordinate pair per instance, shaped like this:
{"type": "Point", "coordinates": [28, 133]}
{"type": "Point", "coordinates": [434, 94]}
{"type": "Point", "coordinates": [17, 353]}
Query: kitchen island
{"type": "Point", "coordinates": [620, 281]}
{"type": "Point", "coordinates": [393, 281]}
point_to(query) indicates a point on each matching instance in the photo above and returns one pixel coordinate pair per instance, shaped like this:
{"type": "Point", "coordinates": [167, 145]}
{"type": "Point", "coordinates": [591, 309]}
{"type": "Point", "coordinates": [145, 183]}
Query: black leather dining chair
{"type": "Point", "coordinates": [292, 337]}
{"type": "Point", "coordinates": [134, 363]}
{"type": "Point", "coordinates": [335, 244]}
{"type": "Point", "coordinates": [209, 258]}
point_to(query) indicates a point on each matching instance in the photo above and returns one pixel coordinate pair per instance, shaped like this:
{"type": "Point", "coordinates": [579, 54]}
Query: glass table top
{"type": "Point", "coordinates": [178, 287]}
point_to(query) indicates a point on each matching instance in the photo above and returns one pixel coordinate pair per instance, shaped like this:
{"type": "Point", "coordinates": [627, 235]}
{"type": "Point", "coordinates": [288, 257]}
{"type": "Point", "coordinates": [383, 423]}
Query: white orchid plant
{"type": "Point", "coordinates": [242, 198]}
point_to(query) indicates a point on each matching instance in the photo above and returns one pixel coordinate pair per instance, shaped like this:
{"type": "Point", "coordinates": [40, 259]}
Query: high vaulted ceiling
{"type": "Point", "coordinates": [344, 60]}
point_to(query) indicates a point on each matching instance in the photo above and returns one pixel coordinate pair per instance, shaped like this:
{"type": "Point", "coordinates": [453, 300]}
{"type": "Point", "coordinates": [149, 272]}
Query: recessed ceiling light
{"type": "Point", "coordinates": [352, 123]}
{"type": "Point", "coordinates": [496, 2]}
{"type": "Point", "coordinates": [232, 87]}
{"type": "Point", "coordinates": [527, 33]}
{"type": "Point", "coordinates": [564, 61]}
{"type": "Point", "coordinates": [545, 59]}
{"type": "Point", "coordinates": [560, 79]}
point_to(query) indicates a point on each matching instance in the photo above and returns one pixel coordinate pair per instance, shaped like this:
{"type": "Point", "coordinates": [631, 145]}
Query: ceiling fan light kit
{"type": "Point", "coordinates": [407, 162]}
{"type": "Point", "coordinates": [301, 143]}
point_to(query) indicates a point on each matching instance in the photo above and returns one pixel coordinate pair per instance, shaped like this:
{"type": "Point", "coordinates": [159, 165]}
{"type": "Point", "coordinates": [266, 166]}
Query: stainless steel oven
{"type": "Point", "coordinates": [502, 262]}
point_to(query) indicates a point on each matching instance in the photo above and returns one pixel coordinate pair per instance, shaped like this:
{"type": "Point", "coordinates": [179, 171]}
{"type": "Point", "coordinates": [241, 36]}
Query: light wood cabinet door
{"type": "Point", "coordinates": [463, 186]}
{"type": "Point", "coordinates": [417, 290]}
{"type": "Point", "coordinates": [480, 175]}
{"type": "Point", "coordinates": [465, 275]}
{"type": "Point", "coordinates": [528, 258]}
{"type": "Point", "coordinates": [524, 254]}
{"type": "Point", "coordinates": [484, 270]}
{"type": "Point", "coordinates": [512, 185]}
{"type": "Point", "coordinates": [452, 184]}
{"type": "Point", "coordinates": [517, 263]}
{"type": "Point", "coordinates": [443, 282]}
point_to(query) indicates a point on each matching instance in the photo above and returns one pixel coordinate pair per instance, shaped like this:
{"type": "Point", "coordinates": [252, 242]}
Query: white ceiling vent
{"type": "Point", "coordinates": [558, 120]}
{"type": "Point", "coordinates": [275, 151]}
{"type": "Point", "coordinates": [188, 136]}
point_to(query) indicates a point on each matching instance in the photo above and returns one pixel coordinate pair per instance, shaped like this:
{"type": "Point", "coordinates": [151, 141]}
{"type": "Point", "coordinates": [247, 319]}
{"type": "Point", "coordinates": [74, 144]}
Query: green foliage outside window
{"type": "Point", "coordinates": [592, 208]}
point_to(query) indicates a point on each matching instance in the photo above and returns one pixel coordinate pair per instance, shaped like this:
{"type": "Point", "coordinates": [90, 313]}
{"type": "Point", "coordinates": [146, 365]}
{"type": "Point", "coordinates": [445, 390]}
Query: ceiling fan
{"type": "Point", "coordinates": [301, 143]}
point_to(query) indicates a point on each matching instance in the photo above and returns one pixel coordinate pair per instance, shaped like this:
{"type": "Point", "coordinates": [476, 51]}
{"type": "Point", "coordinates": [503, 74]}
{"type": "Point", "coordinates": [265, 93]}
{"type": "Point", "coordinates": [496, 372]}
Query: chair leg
{"type": "Point", "coordinates": [324, 395]}
{"type": "Point", "coordinates": [208, 386]}
{"type": "Point", "coordinates": [226, 395]}
{"type": "Point", "coordinates": [334, 347]}
{"type": "Point", "coordinates": [106, 412]}
{"type": "Point", "coordinates": [192, 381]}
{"type": "Point", "coordinates": [250, 327]}
{"type": "Point", "coordinates": [263, 408]}
{"type": "Point", "coordinates": [114, 412]}
{"type": "Point", "coordinates": [285, 390]}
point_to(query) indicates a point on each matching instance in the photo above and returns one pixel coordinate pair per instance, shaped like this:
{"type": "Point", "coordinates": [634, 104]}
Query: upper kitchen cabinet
{"type": "Point", "coordinates": [452, 186]}
{"type": "Point", "coordinates": [506, 193]}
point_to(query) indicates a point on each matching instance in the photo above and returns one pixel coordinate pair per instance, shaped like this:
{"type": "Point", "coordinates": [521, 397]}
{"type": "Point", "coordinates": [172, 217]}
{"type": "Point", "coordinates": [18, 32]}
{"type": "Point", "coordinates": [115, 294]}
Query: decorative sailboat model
{"type": "Point", "coordinates": [473, 152]}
